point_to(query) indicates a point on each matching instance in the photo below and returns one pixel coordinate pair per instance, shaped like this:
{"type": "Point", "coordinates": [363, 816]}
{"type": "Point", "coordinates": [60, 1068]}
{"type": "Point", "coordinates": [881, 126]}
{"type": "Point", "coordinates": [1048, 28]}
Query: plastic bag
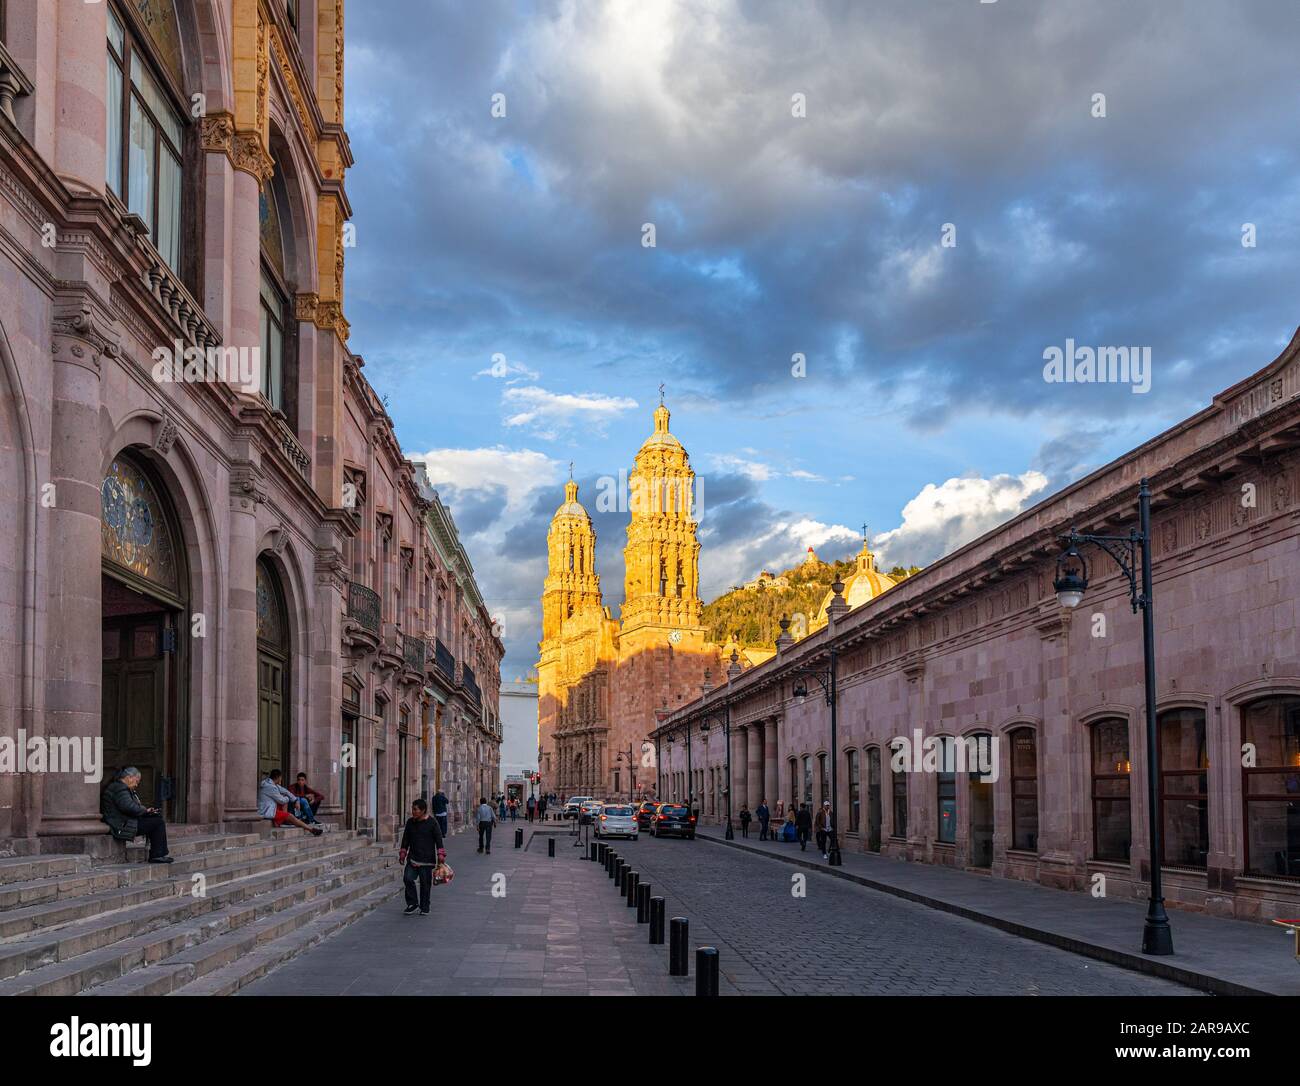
{"type": "Point", "coordinates": [443, 873]}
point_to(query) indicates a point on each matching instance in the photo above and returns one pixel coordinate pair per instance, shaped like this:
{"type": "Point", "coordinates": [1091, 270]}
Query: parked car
{"type": "Point", "coordinates": [573, 805]}
{"type": "Point", "coordinates": [645, 813]}
{"type": "Point", "coordinates": [673, 819]}
{"type": "Point", "coordinates": [617, 820]}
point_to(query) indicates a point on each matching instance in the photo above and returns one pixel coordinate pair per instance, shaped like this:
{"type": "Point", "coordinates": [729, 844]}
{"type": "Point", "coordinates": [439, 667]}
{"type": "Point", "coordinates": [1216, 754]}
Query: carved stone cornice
{"type": "Point", "coordinates": [243, 147]}
{"type": "Point", "coordinates": [247, 486]}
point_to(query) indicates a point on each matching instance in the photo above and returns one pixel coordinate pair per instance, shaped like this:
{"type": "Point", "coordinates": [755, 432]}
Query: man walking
{"type": "Point", "coordinates": [745, 819]}
{"type": "Point", "coordinates": [487, 818]}
{"type": "Point", "coordinates": [803, 826]}
{"type": "Point", "coordinates": [532, 808]}
{"type": "Point", "coordinates": [440, 811]}
{"type": "Point", "coordinates": [764, 815]}
{"type": "Point", "coordinates": [824, 828]}
{"type": "Point", "coordinates": [420, 851]}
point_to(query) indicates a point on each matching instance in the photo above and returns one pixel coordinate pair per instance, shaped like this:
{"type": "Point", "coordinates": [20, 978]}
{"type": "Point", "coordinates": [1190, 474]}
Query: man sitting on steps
{"type": "Point", "coordinates": [274, 802]}
{"type": "Point", "coordinates": [128, 818]}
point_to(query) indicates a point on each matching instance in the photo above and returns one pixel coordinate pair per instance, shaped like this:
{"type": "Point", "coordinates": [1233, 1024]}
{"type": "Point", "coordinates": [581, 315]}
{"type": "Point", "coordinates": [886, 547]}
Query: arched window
{"type": "Point", "coordinates": [1184, 781]}
{"type": "Point", "coordinates": [146, 125]}
{"type": "Point", "coordinates": [946, 787]}
{"type": "Point", "coordinates": [1024, 789]}
{"type": "Point", "coordinates": [823, 781]}
{"type": "Point", "coordinates": [1271, 786]}
{"type": "Point", "coordinates": [855, 790]}
{"type": "Point", "coordinates": [1112, 820]}
{"type": "Point", "coordinates": [794, 783]}
{"type": "Point", "coordinates": [278, 327]}
{"type": "Point", "coordinates": [807, 779]}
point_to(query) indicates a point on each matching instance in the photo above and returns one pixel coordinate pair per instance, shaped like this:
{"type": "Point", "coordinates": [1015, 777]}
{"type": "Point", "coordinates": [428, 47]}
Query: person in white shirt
{"type": "Point", "coordinates": [274, 802]}
{"type": "Point", "coordinates": [487, 818]}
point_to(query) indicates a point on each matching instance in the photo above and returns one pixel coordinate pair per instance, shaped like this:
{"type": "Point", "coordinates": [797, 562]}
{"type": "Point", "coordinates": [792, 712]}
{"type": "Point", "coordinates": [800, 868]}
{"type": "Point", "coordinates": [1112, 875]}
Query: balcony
{"type": "Point", "coordinates": [444, 661]}
{"type": "Point", "coordinates": [470, 683]}
{"type": "Point", "coordinates": [361, 630]}
{"type": "Point", "coordinates": [413, 652]}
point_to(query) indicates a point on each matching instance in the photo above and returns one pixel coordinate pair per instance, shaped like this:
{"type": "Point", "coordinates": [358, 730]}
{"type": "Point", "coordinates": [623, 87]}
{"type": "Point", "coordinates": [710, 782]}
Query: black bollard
{"type": "Point", "coordinates": [609, 861]}
{"type": "Point", "coordinates": [620, 876]}
{"type": "Point", "coordinates": [679, 962]}
{"type": "Point", "coordinates": [657, 921]}
{"type": "Point", "coordinates": [706, 971]}
{"type": "Point", "coordinates": [595, 851]}
{"type": "Point", "coordinates": [630, 885]}
{"type": "Point", "coordinates": [519, 838]}
{"type": "Point", "coordinates": [550, 847]}
{"type": "Point", "coordinates": [601, 848]}
{"type": "Point", "coordinates": [642, 902]}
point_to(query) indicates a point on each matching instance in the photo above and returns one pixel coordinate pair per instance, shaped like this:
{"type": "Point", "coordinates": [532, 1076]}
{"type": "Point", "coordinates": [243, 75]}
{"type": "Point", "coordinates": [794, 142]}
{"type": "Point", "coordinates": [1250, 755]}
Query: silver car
{"type": "Point", "coordinates": [617, 820]}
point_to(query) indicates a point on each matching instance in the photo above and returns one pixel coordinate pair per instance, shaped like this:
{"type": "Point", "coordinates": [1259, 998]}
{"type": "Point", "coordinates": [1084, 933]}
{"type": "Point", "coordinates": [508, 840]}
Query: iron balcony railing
{"type": "Point", "coordinates": [413, 649]}
{"type": "Point", "coordinates": [363, 605]}
{"type": "Point", "coordinates": [471, 683]}
{"type": "Point", "coordinates": [443, 660]}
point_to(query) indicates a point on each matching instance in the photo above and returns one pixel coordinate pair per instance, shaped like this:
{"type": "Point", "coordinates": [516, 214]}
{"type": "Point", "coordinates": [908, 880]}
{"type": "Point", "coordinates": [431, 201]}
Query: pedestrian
{"type": "Point", "coordinates": [824, 829]}
{"type": "Point", "coordinates": [514, 810]}
{"type": "Point", "coordinates": [803, 826]}
{"type": "Point", "coordinates": [780, 810]}
{"type": "Point", "coordinates": [421, 850]}
{"type": "Point", "coordinates": [541, 808]}
{"type": "Point", "coordinates": [531, 808]}
{"type": "Point", "coordinates": [128, 818]}
{"type": "Point", "coordinates": [501, 807]}
{"type": "Point", "coordinates": [745, 819]}
{"type": "Point", "coordinates": [487, 818]}
{"type": "Point", "coordinates": [764, 816]}
{"type": "Point", "coordinates": [440, 804]}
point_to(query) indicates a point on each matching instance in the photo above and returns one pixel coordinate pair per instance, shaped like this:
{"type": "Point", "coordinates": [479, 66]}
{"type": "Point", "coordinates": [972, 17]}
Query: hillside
{"type": "Point", "coordinates": [754, 614]}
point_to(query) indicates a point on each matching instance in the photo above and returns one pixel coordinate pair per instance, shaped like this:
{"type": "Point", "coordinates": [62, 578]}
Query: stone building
{"type": "Point", "coordinates": [604, 683]}
{"type": "Point", "coordinates": [976, 647]}
{"type": "Point", "coordinates": [216, 559]}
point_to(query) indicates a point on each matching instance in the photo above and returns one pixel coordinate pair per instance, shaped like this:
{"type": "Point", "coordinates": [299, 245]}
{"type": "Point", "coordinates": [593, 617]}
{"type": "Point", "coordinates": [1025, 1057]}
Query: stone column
{"type": "Point", "coordinates": [739, 769]}
{"type": "Point", "coordinates": [754, 768]}
{"type": "Point", "coordinates": [771, 786]}
{"type": "Point", "coordinates": [247, 489]}
{"type": "Point", "coordinates": [73, 667]}
{"type": "Point", "coordinates": [81, 131]}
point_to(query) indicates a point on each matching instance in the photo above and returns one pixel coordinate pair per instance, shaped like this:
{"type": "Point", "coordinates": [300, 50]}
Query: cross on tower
{"type": "Point", "coordinates": [864, 531]}
{"type": "Point", "coordinates": [570, 469]}
{"type": "Point", "coordinates": [661, 394]}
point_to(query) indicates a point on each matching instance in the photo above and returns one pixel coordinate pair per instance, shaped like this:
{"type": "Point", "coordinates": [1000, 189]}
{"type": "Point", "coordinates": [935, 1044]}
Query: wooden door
{"type": "Point", "coordinates": [272, 722]}
{"type": "Point", "coordinates": [134, 700]}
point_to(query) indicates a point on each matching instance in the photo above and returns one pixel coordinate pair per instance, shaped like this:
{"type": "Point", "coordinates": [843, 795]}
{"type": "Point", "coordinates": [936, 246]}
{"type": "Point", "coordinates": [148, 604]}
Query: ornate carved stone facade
{"type": "Point", "coordinates": [602, 682]}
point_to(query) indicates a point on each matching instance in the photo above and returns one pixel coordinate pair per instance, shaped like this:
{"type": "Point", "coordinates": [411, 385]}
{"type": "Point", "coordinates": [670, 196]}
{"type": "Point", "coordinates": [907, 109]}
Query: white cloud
{"type": "Point", "coordinates": [942, 518]}
{"type": "Point", "coordinates": [516, 472]}
{"type": "Point", "coordinates": [782, 545]}
{"type": "Point", "coordinates": [548, 414]}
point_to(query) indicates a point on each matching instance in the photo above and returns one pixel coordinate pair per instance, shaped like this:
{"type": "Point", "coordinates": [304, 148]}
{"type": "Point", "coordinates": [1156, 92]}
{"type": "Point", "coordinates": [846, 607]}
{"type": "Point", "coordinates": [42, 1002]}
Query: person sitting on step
{"type": "Point", "coordinates": [128, 818]}
{"type": "Point", "coordinates": [309, 800]}
{"type": "Point", "coordinates": [275, 802]}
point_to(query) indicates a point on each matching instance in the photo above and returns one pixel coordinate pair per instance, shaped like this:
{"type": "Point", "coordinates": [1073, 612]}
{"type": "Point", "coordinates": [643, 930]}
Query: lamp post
{"type": "Point", "coordinates": [1132, 553]}
{"type": "Point", "coordinates": [827, 678]}
{"type": "Point", "coordinates": [725, 721]}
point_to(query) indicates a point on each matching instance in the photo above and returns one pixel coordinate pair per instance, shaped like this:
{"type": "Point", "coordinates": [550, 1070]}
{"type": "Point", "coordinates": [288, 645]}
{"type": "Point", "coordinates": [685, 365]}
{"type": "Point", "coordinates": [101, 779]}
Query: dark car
{"type": "Point", "coordinates": [673, 819]}
{"type": "Point", "coordinates": [645, 813]}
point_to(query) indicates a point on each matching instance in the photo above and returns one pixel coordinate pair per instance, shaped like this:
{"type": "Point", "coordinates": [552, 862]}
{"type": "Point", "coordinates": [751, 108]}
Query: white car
{"type": "Point", "coordinates": [573, 805]}
{"type": "Point", "coordinates": [617, 820]}
{"type": "Point", "coordinates": [591, 808]}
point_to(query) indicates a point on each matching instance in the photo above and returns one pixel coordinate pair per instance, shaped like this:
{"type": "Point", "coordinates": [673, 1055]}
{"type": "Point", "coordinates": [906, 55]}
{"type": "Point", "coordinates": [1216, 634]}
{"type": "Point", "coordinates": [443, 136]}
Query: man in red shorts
{"type": "Point", "coordinates": [273, 802]}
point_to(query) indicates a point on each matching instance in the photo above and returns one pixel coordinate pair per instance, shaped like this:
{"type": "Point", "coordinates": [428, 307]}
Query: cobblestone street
{"type": "Point", "coordinates": [561, 928]}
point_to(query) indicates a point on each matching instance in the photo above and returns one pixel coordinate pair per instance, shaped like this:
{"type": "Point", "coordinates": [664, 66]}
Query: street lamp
{"type": "Point", "coordinates": [725, 721]}
{"type": "Point", "coordinates": [827, 679]}
{"type": "Point", "coordinates": [1132, 553]}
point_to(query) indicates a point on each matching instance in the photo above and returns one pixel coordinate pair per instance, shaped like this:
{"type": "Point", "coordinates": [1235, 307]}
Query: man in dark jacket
{"type": "Point", "coordinates": [305, 791]}
{"type": "Point", "coordinates": [421, 850]}
{"type": "Point", "coordinates": [128, 818]}
{"type": "Point", "coordinates": [803, 826]}
{"type": "Point", "coordinates": [440, 810]}
{"type": "Point", "coordinates": [764, 815]}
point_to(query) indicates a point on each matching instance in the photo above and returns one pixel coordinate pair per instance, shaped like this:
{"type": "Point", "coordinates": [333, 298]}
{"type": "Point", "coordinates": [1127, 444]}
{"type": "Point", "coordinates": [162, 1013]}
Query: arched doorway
{"type": "Point", "coordinates": [273, 701]}
{"type": "Point", "coordinates": [981, 800]}
{"type": "Point", "coordinates": [144, 660]}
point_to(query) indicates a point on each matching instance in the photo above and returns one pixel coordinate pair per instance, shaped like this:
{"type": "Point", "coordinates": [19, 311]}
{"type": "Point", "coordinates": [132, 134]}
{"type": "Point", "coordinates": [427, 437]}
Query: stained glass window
{"type": "Point", "coordinates": [270, 610]}
{"type": "Point", "coordinates": [135, 535]}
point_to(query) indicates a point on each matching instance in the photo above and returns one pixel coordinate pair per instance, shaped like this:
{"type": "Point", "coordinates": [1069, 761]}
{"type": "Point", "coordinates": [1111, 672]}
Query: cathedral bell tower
{"type": "Point", "coordinates": [662, 556]}
{"type": "Point", "coordinates": [572, 584]}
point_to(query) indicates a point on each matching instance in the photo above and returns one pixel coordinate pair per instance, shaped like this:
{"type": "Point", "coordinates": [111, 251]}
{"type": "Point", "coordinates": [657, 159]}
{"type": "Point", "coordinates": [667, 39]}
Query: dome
{"type": "Point", "coordinates": [572, 507]}
{"type": "Point", "coordinates": [863, 584]}
{"type": "Point", "coordinates": [661, 438]}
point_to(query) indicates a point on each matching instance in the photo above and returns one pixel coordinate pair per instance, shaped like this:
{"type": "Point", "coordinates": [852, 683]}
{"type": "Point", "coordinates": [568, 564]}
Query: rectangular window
{"type": "Point", "coordinates": [1024, 790]}
{"type": "Point", "coordinates": [946, 784]}
{"type": "Point", "coordinates": [807, 779]}
{"type": "Point", "coordinates": [855, 797]}
{"type": "Point", "coordinates": [1184, 780]}
{"type": "Point", "coordinates": [1271, 787]}
{"type": "Point", "coordinates": [113, 157]}
{"type": "Point", "coordinates": [898, 786]}
{"type": "Point", "coordinates": [272, 317]}
{"type": "Point", "coordinates": [1112, 827]}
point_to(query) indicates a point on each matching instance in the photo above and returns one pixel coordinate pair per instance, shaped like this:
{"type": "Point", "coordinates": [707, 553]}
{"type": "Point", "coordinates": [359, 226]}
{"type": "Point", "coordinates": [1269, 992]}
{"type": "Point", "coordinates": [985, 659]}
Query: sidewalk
{"type": "Point", "coordinates": [1225, 957]}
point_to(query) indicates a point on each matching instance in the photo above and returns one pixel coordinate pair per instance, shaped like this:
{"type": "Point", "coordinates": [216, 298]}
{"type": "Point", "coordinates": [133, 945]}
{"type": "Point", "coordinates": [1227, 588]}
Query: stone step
{"type": "Point", "coordinates": [227, 961]}
{"type": "Point", "coordinates": [28, 868]}
{"type": "Point", "coordinates": [148, 936]}
{"type": "Point", "coordinates": [183, 847]}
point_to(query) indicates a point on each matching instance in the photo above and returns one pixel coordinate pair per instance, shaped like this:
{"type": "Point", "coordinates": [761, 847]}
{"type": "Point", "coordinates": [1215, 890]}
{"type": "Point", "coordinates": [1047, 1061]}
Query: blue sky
{"type": "Point", "coordinates": [504, 302]}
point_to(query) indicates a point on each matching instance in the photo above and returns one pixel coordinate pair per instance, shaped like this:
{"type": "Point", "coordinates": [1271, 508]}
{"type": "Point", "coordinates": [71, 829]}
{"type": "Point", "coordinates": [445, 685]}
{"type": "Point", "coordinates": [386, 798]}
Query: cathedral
{"type": "Point", "coordinates": [602, 681]}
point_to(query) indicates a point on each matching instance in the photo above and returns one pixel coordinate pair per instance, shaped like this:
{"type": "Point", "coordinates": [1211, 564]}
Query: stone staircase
{"type": "Point", "coordinates": [70, 925]}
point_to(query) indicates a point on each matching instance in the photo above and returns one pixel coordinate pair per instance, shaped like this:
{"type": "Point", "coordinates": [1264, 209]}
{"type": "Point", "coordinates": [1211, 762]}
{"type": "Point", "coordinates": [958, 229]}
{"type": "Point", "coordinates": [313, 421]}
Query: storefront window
{"type": "Point", "coordinates": [1271, 786]}
{"type": "Point", "coordinates": [1184, 782]}
{"type": "Point", "coordinates": [946, 784]}
{"type": "Point", "coordinates": [1024, 790]}
{"type": "Point", "coordinates": [1112, 828]}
